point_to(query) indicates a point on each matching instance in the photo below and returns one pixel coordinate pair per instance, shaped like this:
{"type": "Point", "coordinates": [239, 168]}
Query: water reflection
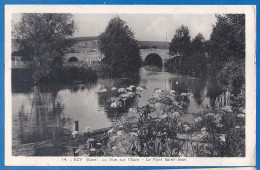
{"type": "Point", "coordinates": [202, 90]}
{"type": "Point", "coordinates": [41, 117]}
{"type": "Point", "coordinates": [47, 112]}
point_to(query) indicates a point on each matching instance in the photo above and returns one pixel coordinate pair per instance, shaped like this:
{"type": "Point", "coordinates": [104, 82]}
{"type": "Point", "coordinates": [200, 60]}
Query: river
{"type": "Point", "coordinates": [41, 113]}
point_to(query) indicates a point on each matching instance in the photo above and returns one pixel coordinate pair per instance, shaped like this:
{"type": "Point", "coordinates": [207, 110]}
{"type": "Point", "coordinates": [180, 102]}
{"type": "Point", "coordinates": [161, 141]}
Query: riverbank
{"type": "Point", "coordinates": [141, 137]}
{"type": "Point", "coordinates": [65, 75]}
{"type": "Point", "coordinates": [83, 145]}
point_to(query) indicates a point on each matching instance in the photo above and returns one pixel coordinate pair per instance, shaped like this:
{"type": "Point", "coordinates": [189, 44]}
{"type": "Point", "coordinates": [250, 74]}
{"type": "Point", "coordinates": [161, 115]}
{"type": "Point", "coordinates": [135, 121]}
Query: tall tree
{"type": "Point", "coordinates": [197, 44]}
{"type": "Point", "coordinates": [197, 55]}
{"type": "Point", "coordinates": [120, 48]}
{"type": "Point", "coordinates": [227, 49]}
{"type": "Point", "coordinates": [227, 39]}
{"type": "Point", "coordinates": [41, 40]}
{"type": "Point", "coordinates": [180, 43]}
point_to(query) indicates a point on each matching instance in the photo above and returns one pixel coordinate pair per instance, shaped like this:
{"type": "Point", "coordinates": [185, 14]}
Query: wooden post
{"type": "Point", "coordinates": [74, 151]}
{"type": "Point", "coordinates": [220, 99]}
{"type": "Point", "coordinates": [223, 99]}
{"type": "Point", "coordinates": [76, 125]}
{"type": "Point", "coordinates": [226, 98]}
{"type": "Point", "coordinates": [228, 94]}
{"type": "Point", "coordinates": [53, 134]}
{"type": "Point", "coordinates": [216, 102]}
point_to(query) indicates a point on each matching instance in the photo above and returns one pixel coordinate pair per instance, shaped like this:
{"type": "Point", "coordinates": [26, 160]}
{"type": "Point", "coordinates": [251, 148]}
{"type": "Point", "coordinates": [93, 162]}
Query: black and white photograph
{"type": "Point", "coordinates": [130, 85]}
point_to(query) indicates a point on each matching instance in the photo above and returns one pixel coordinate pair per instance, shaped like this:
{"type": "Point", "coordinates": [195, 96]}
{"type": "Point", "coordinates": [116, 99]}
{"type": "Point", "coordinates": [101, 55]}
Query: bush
{"type": "Point", "coordinates": [172, 66]}
{"type": "Point", "coordinates": [66, 75]}
{"type": "Point", "coordinates": [21, 80]}
{"type": "Point", "coordinates": [21, 75]}
{"type": "Point", "coordinates": [104, 70]}
{"type": "Point", "coordinates": [225, 129]}
{"type": "Point", "coordinates": [233, 75]}
{"type": "Point", "coordinates": [70, 74]}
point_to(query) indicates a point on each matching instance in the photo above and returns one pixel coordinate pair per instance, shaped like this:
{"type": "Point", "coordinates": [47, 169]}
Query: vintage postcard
{"type": "Point", "coordinates": [130, 85]}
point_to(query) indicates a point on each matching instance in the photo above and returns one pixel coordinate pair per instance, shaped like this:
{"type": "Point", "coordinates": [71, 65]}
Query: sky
{"type": "Point", "coordinates": [147, 27]}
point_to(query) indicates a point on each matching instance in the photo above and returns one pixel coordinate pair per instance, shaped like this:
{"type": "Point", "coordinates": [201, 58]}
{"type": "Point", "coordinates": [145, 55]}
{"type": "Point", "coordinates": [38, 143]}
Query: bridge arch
{"type": "Point", "coordinates": [163, 53]}
{"type": "Point", "coordinates": [73, 59]}
{"type": "Point", "coordinates": [153, 59]}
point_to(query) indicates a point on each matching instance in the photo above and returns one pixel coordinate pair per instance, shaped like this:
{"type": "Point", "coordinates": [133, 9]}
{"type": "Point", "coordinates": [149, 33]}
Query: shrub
{"type": "Point", "coordinates": [70, 74]}
{"type": "Point", "coordinates": [233, 75]}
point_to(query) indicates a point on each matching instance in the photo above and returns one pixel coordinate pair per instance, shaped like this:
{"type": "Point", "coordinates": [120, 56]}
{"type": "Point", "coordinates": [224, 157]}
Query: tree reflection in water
{"type": "Point", "coordinates": [47, 112]}
{"type": "Point", "coordinates": [198, 87]}
{"type": "Point", "coordinates": [44, 120]}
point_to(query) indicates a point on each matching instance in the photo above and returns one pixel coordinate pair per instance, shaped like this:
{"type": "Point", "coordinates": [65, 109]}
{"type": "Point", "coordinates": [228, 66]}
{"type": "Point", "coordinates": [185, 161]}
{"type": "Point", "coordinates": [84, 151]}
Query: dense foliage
{"type": "Point", "coordinates": [227, 40]}
{"type": "Point", "coordinates": [226, 48]}
{"type": "Point", "coordinates": [41, 40]}
{"type": "Point", "coordinates": [120, 48]}
{"type": "Point", "coordinates": [222, 56]}
{"type": "Point", "coordinates": [70, 74]}
{"type": "Point", "coordinates": [159, 130]}
{"type": "Point", "coordinates": [180, 43]}
{"type": "Point", "coordinates": [189, 55]}
{"type": "Point", "coordinates": [65, 75]}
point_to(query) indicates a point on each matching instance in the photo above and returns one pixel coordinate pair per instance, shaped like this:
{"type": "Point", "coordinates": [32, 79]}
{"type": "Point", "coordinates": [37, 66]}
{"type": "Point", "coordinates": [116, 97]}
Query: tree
{"type": "Point", "coordinates": [41, 40]}
{"type": "Point", "coordinates": [120, 48]}
{"type": "Point", "coordinates": [197, 56]}
{"type": "Point", "coordinates": [227, 40]}
{"type": "Point", "coordinates": [226, 48]}
{"type": "Point", "coordinates": [197, 44]}
{"type": "Point", "coordinates": [180, 43]}
{"type": "Point", "coordinates": [181, 46]}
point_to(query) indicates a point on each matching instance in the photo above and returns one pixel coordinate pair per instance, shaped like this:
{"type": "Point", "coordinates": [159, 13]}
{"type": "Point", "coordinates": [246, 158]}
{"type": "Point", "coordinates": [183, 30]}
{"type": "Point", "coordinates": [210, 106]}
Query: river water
{"type": "Point", "coordinates": [41, 113]}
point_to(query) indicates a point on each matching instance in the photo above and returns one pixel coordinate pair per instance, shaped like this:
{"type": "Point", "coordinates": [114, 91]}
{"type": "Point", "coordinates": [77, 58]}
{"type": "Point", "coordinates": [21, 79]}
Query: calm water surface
{"type": "Point", "coordinates": [41, 113]}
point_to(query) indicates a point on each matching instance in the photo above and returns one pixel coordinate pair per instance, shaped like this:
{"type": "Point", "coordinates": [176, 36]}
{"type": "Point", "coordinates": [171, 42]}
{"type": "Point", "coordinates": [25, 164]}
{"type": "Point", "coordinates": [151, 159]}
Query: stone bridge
{"type": "Point", "coordinates": [151, 56]}
{"type": "Point", "coordinates": [159, 55]}
{"type": "Point", "coordinates": [86, 50]}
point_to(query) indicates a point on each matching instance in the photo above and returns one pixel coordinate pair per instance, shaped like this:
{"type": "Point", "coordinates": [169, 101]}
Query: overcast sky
{"type": "Point", "coordinates": [147, 27]}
